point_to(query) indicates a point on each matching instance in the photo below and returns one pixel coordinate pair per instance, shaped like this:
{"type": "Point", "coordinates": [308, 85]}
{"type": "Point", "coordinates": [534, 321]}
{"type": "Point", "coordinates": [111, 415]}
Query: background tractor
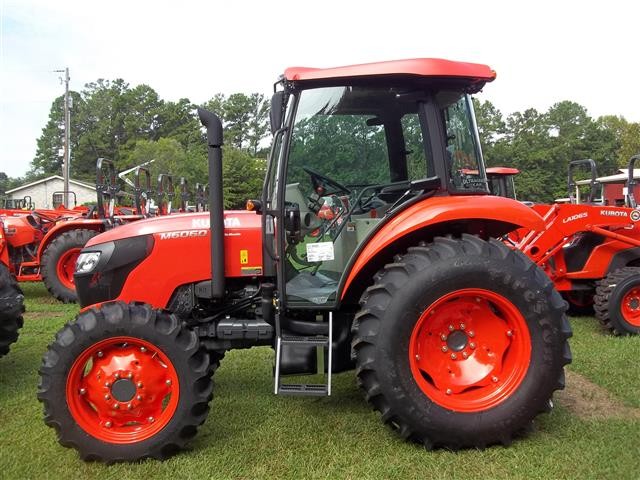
{"type": "Point", "coordinates": [590, 246]}
{"type": "Point", "coordinates": [11, 301]}
{"type": "Point", "coordinates": [457, 340]}
{"type": "Point", "coordinates": [44, 245]}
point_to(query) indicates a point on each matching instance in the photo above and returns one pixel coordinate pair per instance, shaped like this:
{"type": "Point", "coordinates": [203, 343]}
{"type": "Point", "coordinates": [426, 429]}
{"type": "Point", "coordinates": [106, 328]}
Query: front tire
{"type": "Point", "coordinates": [461, 343]}
{"type": "Point", "coordinates": [11, 309]}
{"type": "Point", "coordinates": [617, 301]}
{"type": "Point", "coordinates": [59, 260]}
{"type": "Point", "coordinates": [125, 382]}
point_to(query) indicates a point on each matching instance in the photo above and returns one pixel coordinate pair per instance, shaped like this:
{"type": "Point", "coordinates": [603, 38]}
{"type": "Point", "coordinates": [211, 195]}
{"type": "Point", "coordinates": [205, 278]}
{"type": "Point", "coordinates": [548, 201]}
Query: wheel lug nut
{"type": "Point", "coordinates": [116, 406]}
{"type": "Point", "coordinates": [462, 326]}
{"type": "Point", "coordinates": [139, 398]}
{"type": "Point", "coordinates": [107, 397]}
{"type": "Point", "coordinates": [444, 348]}
{"type": "Point", "coordinates": [443, 337]}
{"type": "Point", "coordinates": [151, 419]}
{"type": "Point", "coordinates": [142, 349]}
{"type": "Point", "coordinates": [139, 384]}
{"type": "Point", "coordinates": [451, 328]}
{"type": "Point", "coordinates": [117, 376]}
{"type": "Point", "coordinates": [448, 392]}
{"type": "Point", "coordinates": [83, 391]}
{"type": "Point", "coordinates": [465, 355]}
{"type": "Point", "coordinates": [129, 375]}
{"type": "Point", "coordinates": [494, 379]}
{"type": "Point", "coordinates": [472, 345]}
{"type": "Point", "coordinates": [471, 333]}
{"type": "Point", "coordinates": [129, 407]}
{"type": "Point", "coordinates": [453, 356]}
{"type": "Point", "coordinates": [417, 358]}
{"type": "Point", "coordinates": [100, 354]}
{"type": "Point", "coordinates": [168, 382]}
{"type": "Point", "coordinates": [509, 333]}
{"type": "Point", "coordinates": [108, 424]}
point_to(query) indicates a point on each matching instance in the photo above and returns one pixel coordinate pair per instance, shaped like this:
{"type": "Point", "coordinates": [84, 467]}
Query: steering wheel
{"type": "Point", "coordinates": [320, 180]}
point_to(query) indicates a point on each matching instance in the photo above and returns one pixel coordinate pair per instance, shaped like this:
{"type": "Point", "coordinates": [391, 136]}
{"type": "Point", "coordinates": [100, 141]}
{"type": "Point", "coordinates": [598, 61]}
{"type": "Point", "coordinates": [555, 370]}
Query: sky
{"type": "Point", "coordinates": [543, 51]}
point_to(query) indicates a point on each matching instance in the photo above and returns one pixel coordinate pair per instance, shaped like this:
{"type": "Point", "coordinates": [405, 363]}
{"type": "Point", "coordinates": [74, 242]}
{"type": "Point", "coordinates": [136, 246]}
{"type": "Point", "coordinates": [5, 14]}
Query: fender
{"type": "Point", "coordinates": [65, 226]}
{"type": "Point", "coordinates": [437, 210]}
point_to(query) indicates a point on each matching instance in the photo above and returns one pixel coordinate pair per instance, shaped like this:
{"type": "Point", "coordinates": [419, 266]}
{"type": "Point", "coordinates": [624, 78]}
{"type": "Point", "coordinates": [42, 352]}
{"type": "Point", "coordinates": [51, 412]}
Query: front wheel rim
{"type": "Point", "coordinates": [66, 266]}
{"type": "Point", "coordinates": [470, 350]}
{"type": "Point", "coordinates": [122, 390]}
{"type": "Point", "coordinates": [630, 306]}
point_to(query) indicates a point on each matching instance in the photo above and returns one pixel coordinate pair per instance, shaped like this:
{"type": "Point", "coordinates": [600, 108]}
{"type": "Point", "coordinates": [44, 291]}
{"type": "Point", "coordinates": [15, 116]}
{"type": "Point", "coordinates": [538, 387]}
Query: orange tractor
{"type": "Point", "coordinates": [44, 245]}
{"type": "Point", "coordinates": [11, 300]}
{"type": "Point", "coordinates": [457, 340]}
{"type": "Point", "coordinates": [590, 247]}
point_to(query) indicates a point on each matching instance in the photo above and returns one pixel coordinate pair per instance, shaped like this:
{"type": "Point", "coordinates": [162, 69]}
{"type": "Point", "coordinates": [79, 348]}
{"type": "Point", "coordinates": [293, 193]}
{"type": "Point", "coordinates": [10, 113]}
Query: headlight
{"type": "Point", "coordinates": [87, 262]}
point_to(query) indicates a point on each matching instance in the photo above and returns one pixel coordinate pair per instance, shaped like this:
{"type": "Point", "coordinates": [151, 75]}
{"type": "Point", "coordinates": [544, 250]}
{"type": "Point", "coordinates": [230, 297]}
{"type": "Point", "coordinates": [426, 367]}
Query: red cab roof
{"type": "Point", "coordinates": [502, 171]}
{"type": "Point", "coordinates": [422, 67]}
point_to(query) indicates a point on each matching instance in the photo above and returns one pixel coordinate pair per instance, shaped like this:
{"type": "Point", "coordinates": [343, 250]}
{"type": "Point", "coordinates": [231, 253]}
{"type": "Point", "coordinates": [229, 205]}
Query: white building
{"type": "Point", "coordinates": [49, 192]}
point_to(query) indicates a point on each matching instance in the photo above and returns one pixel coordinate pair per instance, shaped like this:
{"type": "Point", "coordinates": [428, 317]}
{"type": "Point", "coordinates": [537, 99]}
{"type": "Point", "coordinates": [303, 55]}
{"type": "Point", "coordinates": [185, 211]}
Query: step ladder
{"type": "Point", "coordinates": [304, 389]}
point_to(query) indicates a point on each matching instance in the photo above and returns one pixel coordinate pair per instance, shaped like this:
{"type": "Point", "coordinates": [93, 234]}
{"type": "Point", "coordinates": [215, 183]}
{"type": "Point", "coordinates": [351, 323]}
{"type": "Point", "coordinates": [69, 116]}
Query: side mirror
{"type": "Point", "coordinates": [292, 225]}
{"type": "Point", "coordinates": [277, 109]}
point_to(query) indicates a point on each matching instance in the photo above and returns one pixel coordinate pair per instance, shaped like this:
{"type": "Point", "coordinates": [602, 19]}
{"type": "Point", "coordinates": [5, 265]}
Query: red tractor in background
{"type": "Point", "coordinates": [501, 181]}
{"type": "Point", "coordinates": [43, 247]}
{"type": "Point", "coordinates": [590, 247]}
{"type": "Point", "coordinates": [11, 300]}
{"type": "Point", "coordinates": [457, 340]}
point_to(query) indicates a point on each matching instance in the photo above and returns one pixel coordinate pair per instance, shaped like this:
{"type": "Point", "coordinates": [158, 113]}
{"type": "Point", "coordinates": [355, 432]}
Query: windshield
{"type": "Point", "coordinates": [502, 185]}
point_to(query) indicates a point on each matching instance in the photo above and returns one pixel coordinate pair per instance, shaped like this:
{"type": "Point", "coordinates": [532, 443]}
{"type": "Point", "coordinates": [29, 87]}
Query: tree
{"type": "Point", "coordinates": [244, 118]}
{"type": "Point", "coordinates": [48, 159]}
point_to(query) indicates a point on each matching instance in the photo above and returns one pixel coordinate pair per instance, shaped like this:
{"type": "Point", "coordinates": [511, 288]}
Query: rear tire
{"type": "Point", "coordinates": [58, 263]}
{"type": "Point", "coordinates": [164, 385]}
{"type": "Point", "coordinates": [398, 343]}
{"type": "Point", "coordinates": [617, 301]}
{"type": "Point", "coordinates": [11, 309]}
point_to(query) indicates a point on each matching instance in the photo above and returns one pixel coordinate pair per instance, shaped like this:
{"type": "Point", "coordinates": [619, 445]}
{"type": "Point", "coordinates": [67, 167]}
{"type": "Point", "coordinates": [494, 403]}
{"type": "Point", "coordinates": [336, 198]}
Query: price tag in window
{"type": "Point", "coordinates": [320, 251]}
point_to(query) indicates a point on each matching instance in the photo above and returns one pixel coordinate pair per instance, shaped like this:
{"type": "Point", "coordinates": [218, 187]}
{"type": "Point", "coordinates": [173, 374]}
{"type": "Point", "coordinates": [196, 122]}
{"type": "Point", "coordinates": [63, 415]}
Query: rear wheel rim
{"type": "Point", "coordinates": [122, 390]}
{"type": "Point", "coordinates": [66, 267]}
{"type": "Point", "coordinates": [470, 350]}
{"type": "Point", "coordinates": [630, 306]}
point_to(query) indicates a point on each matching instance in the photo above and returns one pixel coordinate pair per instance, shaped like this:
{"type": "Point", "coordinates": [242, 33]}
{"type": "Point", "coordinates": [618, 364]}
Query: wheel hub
{"type": "Point", "coordinates": [123, 390]}
{"type": "Point", "coordinates": [457, 340]}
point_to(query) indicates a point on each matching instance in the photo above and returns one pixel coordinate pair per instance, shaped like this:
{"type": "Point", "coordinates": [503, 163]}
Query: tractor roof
{"type": "Point", "coordinates": [502, 171]}
{"type": "Point", "coordinates": [417, 67]}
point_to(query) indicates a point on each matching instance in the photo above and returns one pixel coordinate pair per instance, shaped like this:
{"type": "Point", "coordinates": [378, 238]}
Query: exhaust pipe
{"type": "Point", "coordinates": [216, 207]}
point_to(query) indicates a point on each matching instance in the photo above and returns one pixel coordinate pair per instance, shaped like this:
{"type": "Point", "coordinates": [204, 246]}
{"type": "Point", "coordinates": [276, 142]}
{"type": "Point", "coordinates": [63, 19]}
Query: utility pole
{"type": "Point", "coordinates": [67, 137]}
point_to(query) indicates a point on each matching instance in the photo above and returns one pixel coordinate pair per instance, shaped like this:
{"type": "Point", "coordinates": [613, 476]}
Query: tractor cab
{"type": "Point", "coordinates": [501, 181]}
{"type": "Point", "coordinates": [356, 152]}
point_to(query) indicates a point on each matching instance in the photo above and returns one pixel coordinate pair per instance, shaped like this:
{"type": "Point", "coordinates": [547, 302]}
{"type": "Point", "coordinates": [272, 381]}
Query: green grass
{"type": "Point", "coordinates": [251, 433]}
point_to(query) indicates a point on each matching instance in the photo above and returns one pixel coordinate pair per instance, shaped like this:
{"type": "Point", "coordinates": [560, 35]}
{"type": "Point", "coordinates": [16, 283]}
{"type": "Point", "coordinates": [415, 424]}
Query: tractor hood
{"type": "Point", "coordinates": [180, 226]}
{"type": "Point", "coordinates": [154, 256]}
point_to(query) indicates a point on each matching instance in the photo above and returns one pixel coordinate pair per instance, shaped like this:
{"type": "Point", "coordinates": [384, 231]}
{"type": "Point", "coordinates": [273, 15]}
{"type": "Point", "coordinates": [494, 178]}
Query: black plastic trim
{"type": "Point", "coordinates": [117, 260]}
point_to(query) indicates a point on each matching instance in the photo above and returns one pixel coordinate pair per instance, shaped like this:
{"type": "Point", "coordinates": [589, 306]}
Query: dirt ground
{"type": "Point", "coordinates": [590, 401]}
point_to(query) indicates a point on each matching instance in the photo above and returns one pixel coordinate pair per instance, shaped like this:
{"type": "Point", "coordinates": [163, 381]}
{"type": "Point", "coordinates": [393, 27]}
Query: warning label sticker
{"type": "Point", "coordinates": [320, 251]}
